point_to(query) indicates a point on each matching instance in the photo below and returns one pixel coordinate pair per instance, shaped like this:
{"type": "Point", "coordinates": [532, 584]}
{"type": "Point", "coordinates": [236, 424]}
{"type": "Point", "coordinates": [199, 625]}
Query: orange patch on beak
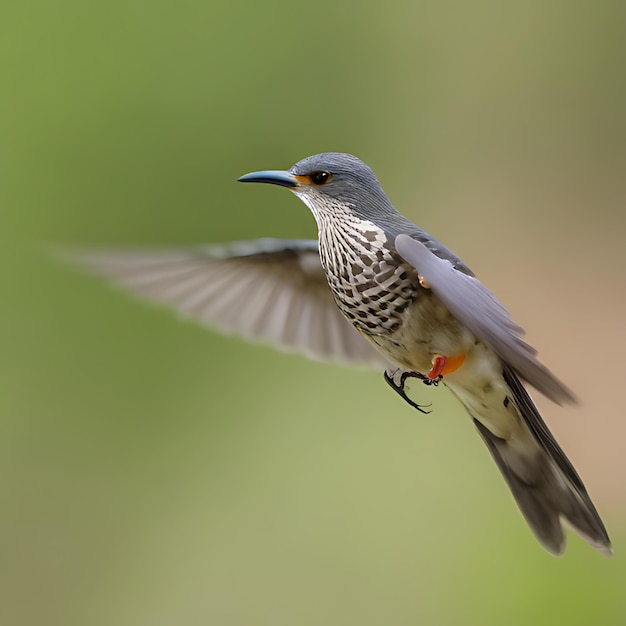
{"type": "Point", "coordinates": [305, 180]}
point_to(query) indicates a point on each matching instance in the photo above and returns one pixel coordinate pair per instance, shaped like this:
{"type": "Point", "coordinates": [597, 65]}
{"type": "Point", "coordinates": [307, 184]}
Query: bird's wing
{"type": "Point", "coordinates": [483, 314]}
{"type": "Point", "coordinates": [269, 290]}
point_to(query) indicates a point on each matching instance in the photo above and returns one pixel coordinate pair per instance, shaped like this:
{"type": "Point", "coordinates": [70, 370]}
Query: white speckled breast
{"type": "Point", "coordinates": [371, 283]}
{"type": "Point", "coordinates": [379, 292]}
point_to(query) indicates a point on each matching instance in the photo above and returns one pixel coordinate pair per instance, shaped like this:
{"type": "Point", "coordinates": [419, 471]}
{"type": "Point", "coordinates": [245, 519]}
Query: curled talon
{"type": "Point", "coordinates": [398, 387]}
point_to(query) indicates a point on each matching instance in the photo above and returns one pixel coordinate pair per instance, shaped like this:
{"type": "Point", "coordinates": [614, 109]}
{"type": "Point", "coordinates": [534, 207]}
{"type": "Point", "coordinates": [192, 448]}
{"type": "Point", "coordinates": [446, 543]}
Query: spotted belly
{"type": "Point", "coordinates": [428, 329]}
{"type": "Point", "coordinates": [371, 284]}
{"type": "Point", "coordinates": [406, 322]}
{"type": "Point", "coordinates": [381, 295]}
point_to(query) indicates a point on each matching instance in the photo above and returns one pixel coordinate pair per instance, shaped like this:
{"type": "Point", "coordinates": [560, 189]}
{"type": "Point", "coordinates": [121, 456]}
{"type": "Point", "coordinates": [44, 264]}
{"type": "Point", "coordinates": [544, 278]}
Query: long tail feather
{"type": "Point", "coordinates": [542, 480]}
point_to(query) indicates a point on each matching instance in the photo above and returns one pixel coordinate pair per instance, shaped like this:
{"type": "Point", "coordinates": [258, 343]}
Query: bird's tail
{"type": "Point", "coordinates": [544, 483]}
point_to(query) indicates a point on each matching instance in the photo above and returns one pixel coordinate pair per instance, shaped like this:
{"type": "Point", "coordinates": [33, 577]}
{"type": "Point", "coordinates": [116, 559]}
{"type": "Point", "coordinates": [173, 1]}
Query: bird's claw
{"type": "Point", "coordinates": [398, 386]}
{"type": "Point", "coordinates": [430, 381]}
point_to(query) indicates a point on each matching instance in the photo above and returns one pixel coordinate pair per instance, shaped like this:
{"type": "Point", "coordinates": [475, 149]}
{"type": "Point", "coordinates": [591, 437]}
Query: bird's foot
{"type": "Point", "coordinates": [396, 379]}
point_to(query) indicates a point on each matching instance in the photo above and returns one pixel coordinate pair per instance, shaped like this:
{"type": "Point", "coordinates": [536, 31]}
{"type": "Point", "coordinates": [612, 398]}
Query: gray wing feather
{"type": "Point", "coordinates": [269, 290]}
{"type": "Point", "coordinates": [483, 314]}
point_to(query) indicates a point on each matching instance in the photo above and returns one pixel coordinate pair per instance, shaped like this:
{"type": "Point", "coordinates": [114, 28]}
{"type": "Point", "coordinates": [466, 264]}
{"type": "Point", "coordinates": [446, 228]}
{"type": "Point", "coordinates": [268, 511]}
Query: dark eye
{"type": "Point", "coordinates": [321, 177]}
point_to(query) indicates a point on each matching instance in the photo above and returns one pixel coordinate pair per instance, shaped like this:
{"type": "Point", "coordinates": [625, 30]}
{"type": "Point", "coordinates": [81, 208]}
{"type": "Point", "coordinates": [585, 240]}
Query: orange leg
{"type": "Point", "coordinates": [443, 365]}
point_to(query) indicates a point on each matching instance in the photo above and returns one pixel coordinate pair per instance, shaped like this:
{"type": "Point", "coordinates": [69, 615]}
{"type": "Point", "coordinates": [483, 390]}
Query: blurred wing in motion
{"type": "Point", "coordinates": [271, 290]}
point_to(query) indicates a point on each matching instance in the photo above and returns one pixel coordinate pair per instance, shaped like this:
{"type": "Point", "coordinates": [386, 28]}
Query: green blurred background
{"type": "Point", "coordinates": [154, 473]}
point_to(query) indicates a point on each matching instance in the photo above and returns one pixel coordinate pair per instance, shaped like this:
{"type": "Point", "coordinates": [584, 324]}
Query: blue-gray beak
{"type": "Point", "coordinates": [273, 177]}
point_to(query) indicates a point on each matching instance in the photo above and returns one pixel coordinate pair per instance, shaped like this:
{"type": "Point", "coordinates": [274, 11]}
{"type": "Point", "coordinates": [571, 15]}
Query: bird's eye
{"type": "Point", "coordinates": [320, 177]}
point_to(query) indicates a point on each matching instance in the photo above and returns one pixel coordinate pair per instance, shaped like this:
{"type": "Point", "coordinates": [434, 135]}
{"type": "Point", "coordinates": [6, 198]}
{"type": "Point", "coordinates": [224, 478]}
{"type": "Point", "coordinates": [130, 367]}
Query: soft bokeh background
{"type": "Point", "coordinates": [154, 473]}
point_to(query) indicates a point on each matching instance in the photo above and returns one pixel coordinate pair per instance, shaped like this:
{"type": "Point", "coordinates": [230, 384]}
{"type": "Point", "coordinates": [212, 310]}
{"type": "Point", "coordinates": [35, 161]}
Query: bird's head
{"type": "Point", "coordinates": [331, 181]}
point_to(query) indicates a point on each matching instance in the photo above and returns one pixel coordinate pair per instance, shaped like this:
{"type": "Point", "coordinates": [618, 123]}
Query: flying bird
{"type": "Point", "coordinates": [375, 289]}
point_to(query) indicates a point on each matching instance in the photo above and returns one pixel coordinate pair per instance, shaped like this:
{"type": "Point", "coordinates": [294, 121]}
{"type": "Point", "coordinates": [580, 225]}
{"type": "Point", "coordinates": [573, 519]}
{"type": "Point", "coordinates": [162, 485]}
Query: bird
{"type": "Point", "coordinates": [376, 290]}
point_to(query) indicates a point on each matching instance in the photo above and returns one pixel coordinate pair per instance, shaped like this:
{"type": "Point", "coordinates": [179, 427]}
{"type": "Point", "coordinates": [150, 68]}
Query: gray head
{"type": "Point", "coordinates": [332, 181]}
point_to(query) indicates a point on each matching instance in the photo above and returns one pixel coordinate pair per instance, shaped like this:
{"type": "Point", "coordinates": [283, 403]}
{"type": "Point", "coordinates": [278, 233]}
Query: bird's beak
{"type": "Point", "coordinates": [273, 177]}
